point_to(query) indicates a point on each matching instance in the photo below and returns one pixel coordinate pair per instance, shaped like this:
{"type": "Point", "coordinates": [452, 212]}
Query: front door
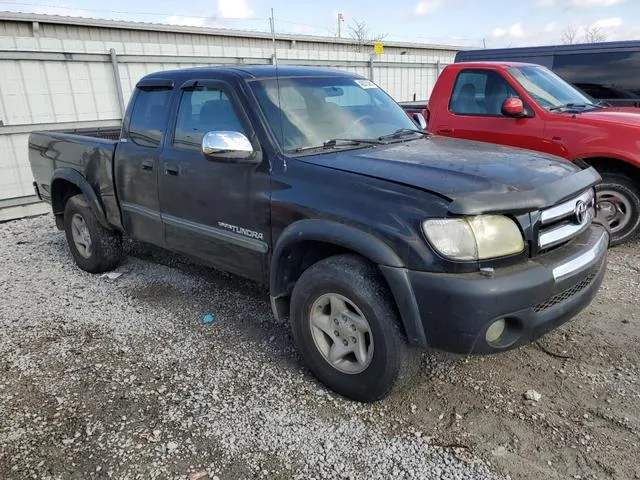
{"type": "Point", "coordinates": [214, 209]}
{"type": "Point", "coordinates": [137, 162]}
{"type": "Point", "coordinates": [475, 113]}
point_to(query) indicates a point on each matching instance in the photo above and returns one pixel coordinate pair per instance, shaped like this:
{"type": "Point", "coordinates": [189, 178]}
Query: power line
{"type": "Point", "coordinates": [323, 28]}
{"type": "Point", "coordinates": [164, 14]}
{"type": "Point", "coordinates": [128, 12]}
{"type": "Point", "coordinates": [161, 14]}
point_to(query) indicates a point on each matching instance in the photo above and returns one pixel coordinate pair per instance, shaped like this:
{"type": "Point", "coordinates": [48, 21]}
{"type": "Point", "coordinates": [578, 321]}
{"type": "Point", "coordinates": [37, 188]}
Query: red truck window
{"type": "Point", "coordinates": [480, 92]}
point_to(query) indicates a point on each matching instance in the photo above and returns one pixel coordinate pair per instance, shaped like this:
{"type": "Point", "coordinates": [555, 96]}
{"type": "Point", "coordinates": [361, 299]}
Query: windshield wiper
{"type": "Point", "coordinates": [401, 132]}
{"type": "Point", "coordinates": [335, 142]}
{"type": "Point", "coordinates": [574, 105]}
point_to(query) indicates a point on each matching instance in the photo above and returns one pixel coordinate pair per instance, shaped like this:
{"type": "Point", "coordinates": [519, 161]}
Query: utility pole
{"type": "Point", "coordinates": [484, 43]}
{"type": "Point", "coordinates": [340, 20]}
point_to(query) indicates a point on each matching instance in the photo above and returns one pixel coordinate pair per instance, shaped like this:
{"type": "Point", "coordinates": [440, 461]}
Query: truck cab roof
{"type": "Point", "coordinates": [249, 72]}
{"type": "Point", "coordinates": [498, 64]}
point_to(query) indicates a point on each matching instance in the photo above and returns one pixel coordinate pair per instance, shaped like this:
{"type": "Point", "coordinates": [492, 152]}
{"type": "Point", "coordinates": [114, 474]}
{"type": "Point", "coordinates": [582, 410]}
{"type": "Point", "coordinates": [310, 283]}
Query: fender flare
{"type": "Point", "coordinates": [618, 162]}
{"type": "Point", "coordinates": [74, 177]}
{"type": "Point", "coordinates": [584, 158]}
{"type": "Point", "coordinates": [334, 233]}
{"type": "Point", "coordinates": [363, 243]}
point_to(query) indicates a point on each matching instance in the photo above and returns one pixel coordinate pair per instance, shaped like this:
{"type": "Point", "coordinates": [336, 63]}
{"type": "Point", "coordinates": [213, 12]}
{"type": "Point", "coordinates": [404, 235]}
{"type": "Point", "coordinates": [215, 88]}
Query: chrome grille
{"type": "Point", "coordinates": [566, 220]}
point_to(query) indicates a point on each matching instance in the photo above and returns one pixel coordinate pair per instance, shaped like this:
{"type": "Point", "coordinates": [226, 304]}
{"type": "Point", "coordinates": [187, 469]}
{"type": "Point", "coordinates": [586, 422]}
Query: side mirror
{"type": "Point", "coordinates": [420, 120]}
{"type": "Point", "coordinates": [513, 107]}
{"type": "Point", "coordinates": [227, 145]}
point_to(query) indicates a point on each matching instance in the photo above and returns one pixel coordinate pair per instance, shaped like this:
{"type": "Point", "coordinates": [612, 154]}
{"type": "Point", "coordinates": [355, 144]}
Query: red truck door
{"type": "Point", "coordinates": [474, 112]}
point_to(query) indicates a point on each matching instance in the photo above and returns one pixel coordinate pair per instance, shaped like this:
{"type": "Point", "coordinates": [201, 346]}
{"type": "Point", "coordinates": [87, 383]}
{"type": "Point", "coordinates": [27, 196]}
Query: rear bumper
{"type": "Point", "coordinates": [535, 297]}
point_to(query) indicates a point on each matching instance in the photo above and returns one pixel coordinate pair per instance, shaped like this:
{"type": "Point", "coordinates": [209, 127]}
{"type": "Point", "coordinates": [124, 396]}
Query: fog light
{"type": "Point", "coordinates": [495, 331]}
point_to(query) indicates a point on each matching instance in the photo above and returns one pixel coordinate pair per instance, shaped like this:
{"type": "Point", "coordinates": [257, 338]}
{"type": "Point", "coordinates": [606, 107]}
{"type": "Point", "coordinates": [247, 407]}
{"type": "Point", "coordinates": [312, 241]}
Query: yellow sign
{"type": "Point", "coordinates": [378, 48]}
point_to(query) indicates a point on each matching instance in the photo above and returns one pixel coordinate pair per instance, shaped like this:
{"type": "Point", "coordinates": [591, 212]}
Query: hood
{"type": "Point", "coordinates": [478, 177]}
{"type": "Point", "coordinates": [451, 167]}
{"type": "Point", "coordinates": [620, 116]}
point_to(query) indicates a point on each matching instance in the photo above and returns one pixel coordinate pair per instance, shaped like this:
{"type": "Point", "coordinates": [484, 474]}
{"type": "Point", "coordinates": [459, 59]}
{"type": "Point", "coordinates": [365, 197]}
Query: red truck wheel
{"type": "Point", "coordinates": [619, 206]}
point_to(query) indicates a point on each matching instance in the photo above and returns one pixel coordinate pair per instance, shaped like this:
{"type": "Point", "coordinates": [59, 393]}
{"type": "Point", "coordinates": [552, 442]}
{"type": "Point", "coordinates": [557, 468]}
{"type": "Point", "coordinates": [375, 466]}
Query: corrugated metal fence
{"type": "Point", "coordinates": [49, 83]}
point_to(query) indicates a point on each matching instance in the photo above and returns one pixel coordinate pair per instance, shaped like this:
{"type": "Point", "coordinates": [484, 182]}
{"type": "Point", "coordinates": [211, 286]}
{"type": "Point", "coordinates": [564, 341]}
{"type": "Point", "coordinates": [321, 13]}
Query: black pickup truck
{"type": "Point", "coordinates": [373, 236]}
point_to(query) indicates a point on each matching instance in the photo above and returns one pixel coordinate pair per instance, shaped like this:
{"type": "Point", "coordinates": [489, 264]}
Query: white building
{"type": "Point", "coordinates": [67, 72]}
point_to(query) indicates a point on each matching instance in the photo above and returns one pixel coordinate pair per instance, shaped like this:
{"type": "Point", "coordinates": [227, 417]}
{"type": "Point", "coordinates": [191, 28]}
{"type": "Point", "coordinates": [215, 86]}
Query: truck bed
{"type": "Point", "coordinates": [89, 151]}
{"type": "Point", "coordinates": [414, 104]}
{"type": "Point", "coordinates": [107, 133]}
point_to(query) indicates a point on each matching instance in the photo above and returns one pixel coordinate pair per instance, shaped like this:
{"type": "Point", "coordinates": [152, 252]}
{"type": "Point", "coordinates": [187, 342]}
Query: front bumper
{"type": "Point", "coordinates": [535, 297]}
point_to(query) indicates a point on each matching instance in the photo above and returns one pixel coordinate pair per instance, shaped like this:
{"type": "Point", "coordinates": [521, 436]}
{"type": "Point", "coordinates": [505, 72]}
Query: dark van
{"type": "Point", "coordinates": [607, 71]}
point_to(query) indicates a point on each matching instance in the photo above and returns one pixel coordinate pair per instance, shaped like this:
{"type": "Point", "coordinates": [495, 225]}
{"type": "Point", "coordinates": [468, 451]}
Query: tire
{"type": "Point", "coordinates": [618, 199]}
{"type": "Point", "coordinates": [81, 227]}
{"type": "Point", "coordinates": [359, 285]}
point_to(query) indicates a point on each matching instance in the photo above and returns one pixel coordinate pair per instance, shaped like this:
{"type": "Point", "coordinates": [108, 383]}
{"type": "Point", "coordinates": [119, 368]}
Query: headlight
{"type": "Point", "coordinates": [474, 238]}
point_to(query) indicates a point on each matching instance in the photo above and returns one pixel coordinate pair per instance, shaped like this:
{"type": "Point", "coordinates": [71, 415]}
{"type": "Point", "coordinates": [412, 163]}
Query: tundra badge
{"type": "Point", "coordinates": [242, 231]}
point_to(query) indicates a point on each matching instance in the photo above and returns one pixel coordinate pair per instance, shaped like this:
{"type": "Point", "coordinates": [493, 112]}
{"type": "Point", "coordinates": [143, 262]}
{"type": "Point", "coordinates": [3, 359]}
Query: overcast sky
{"type": "Point", "coordinates": [495, 23]}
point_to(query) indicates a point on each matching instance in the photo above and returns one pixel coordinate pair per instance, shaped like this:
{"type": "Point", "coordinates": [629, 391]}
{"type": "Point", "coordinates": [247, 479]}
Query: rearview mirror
{"type": "Point", "coordinates": [333, 91]}
{"type": "Point", "coordinates": [513, 107]}
{"type": "Point", "coordinates": [420, 120]}
{"type": "Point", "coordinates": [227, 145]}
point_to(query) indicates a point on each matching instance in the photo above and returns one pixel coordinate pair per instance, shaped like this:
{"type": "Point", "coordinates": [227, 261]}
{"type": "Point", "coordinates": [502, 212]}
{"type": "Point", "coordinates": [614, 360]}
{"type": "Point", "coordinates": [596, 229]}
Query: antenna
{"type": "Point", "coordinates": [275, 63]}
{"type": "Point", "coordinates": [272, 23]}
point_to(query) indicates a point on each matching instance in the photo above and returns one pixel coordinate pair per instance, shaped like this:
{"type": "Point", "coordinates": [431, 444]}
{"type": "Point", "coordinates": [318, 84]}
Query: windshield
{"type": "Point", "coordinates": [316, 110]}
{"type": "Point", "coordinates": [548, 89]}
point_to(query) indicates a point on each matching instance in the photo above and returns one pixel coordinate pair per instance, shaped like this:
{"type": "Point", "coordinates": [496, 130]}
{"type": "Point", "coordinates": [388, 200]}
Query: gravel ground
{"type": "Point", "coordinates": [120, 378]}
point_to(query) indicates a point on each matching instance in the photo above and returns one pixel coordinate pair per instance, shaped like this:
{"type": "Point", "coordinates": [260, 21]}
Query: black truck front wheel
{"type": "Point", "coordinates": [95, 249]}
{"type": "Point", "coordinates": [618, 198]}
{"type": "Point", "coordinates": [347, 329]}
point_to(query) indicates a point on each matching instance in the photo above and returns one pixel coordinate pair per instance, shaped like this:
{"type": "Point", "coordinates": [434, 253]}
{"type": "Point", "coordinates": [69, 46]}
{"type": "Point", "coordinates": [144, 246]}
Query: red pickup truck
{"type": "Point", "coordinates": [528, 106]}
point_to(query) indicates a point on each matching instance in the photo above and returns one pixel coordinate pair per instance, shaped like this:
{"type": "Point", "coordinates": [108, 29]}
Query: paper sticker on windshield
{"type": "Point", "coordinates": [366, 84]}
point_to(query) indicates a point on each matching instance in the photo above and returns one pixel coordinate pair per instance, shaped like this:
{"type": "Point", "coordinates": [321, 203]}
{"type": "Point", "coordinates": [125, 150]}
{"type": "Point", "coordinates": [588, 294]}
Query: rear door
{"type": "Point", "coordinates": [475, 112]}
{"type": "Point", "coordinates": [137, 160]}
{"type": "Point", "coordinates": [214, 209]}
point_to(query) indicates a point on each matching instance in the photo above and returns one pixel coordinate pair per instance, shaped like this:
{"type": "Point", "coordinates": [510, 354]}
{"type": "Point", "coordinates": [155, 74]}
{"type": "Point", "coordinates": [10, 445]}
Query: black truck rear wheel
{"type": "Point", "coordinates": [95, 249]}
{"type": "Point", "coordinates": [347, 330]}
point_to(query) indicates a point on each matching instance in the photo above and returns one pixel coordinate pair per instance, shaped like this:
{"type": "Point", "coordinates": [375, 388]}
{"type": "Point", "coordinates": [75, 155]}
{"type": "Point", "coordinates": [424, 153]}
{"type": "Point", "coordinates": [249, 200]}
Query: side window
{"type": "Point", "coordinates": [203, 110]}
{"type": "Point", "coordinates": [149, 117]}
{"type": "Point", "coordinates": [605, 75]}
{"type": "Point", "coordinates": [468, 94]}
{"type": "Point", "coordinates": [480, 92]}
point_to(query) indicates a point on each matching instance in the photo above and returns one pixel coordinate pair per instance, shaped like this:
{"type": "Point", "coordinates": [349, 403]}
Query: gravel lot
{"type": "Point", "coordinates": [120, 378]}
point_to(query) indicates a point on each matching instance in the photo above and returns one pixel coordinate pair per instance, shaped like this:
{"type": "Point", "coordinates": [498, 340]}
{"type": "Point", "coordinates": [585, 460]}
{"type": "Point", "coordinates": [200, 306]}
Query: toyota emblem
{"type": "Point", "coordinates": [580, 212]}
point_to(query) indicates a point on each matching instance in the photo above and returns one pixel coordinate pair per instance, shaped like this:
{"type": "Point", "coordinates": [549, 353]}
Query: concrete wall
{"type": "Point", "coordinates": [56, 76]}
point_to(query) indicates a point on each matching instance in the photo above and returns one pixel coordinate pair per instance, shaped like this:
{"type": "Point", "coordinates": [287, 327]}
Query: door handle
{"type": "Point", "coordinates": [147, 165]}
{"type": "Point", "coordinates": [445, 131]}
{"type": "Point", "coordinates": [169, 170]}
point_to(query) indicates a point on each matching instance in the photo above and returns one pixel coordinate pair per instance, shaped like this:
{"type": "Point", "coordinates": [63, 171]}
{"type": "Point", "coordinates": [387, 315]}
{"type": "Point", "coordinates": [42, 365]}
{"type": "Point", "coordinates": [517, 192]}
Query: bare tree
{"type": "Point", "coordinates": [570, 35]}
{"type": "Point", "coordinates": [361, 35]}
{"type": "Point", "coordinates": [594, 35]}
